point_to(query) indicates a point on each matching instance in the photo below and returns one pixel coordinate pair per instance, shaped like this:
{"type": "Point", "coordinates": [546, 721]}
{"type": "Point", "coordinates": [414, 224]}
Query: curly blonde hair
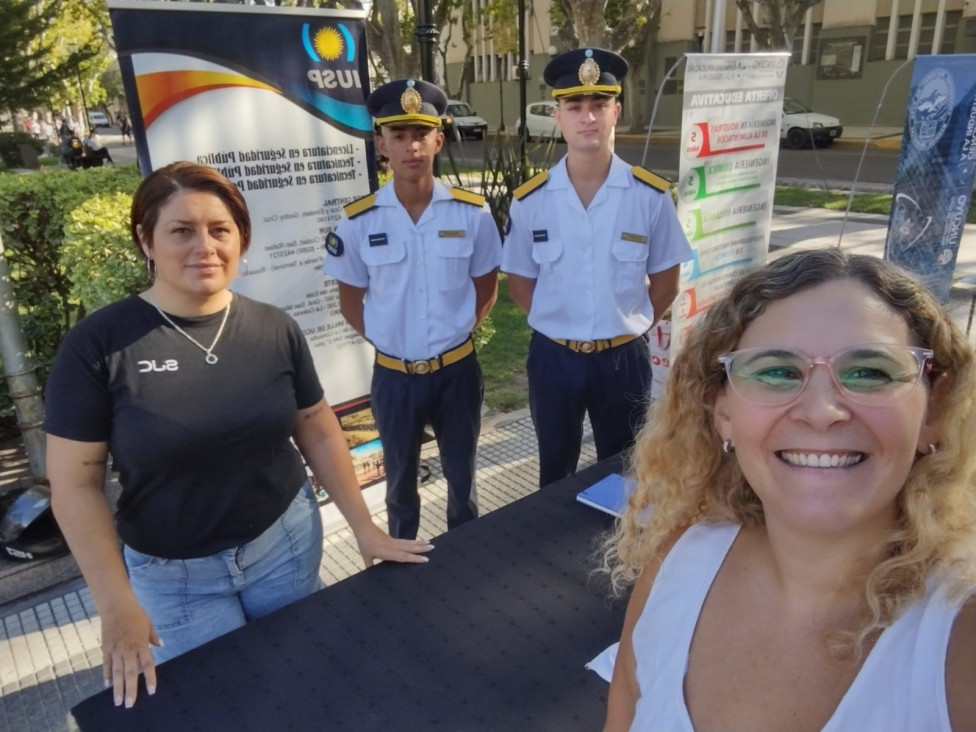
{"type": "Point", "coordinates": [682, 472]}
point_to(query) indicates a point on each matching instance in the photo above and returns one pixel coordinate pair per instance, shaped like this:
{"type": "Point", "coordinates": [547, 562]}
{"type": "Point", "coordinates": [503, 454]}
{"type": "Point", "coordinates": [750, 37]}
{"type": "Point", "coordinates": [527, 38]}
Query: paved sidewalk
{"type": "Point", "coordinates": [50, 657]}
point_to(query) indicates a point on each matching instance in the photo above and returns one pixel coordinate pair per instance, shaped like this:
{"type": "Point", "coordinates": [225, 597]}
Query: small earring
{"type": "Point", "coordinates": [932, 449]}
{"type": "Point", "coordinates": [242, 259]}
{"type": "Point", "coordinates": [727, 447]}
{"type": "Point", "coordinates": [151, 268]}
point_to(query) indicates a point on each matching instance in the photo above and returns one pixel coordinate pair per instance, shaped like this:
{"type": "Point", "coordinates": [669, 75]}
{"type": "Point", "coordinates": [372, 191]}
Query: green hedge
{"type": "Point", "coordinates": [35, 210]}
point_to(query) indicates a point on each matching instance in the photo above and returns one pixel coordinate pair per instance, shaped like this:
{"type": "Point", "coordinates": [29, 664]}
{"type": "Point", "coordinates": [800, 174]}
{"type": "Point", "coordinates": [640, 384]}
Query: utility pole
{"type": "Point", "coordinates": [25, 392]}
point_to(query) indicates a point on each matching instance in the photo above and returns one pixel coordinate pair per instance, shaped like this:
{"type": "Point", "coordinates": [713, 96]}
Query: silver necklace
{"type": "Point", "coordinates": [210, 358]}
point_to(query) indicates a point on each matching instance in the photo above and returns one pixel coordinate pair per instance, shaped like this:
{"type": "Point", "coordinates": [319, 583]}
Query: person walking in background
{"type": "Point", "coordinates": [417, 269]}
{"type": "Point", "coordinates": [593, 252]}
{"type": "Point", "coordinates": [217, 519]}
{"type": "Point", "coordinates": [125, 128]}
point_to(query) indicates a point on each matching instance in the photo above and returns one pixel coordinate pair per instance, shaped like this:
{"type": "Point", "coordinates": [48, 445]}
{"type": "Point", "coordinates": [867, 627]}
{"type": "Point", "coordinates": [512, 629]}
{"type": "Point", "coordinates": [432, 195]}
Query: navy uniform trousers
{"type": "Point", "coordinates": [612, 385]}
{"type": "Point", "coordinates": [449, 399]}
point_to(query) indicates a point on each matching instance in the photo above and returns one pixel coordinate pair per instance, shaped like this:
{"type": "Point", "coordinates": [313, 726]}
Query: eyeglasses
{"type": "Point", "coordinates": [875, 374]}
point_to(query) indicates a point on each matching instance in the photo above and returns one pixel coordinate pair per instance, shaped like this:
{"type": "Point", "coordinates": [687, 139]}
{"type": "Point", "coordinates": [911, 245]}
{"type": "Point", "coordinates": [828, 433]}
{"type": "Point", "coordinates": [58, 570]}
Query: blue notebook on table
{"type": "Point", "coordinates": [608, 495]}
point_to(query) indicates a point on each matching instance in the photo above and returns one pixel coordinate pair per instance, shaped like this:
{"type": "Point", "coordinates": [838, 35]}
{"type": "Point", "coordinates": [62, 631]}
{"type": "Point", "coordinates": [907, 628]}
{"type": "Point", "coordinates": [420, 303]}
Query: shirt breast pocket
{"type": "Point", "coordinates": [548, 254]}
{"type": "Point", "coordinates": [385, 264]}
{"type": "Point", "coordinates": [454, 262]}
{"type": "Point", "coordinates": [630, 266]}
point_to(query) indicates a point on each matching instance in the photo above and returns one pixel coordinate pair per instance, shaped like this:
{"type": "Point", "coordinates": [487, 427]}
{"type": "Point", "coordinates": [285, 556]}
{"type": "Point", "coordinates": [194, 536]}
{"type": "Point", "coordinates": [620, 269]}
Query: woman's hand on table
{"type": "Point", "coordinates": [374, 543]}
{"type": "Point", "coordinates": [127, 634]}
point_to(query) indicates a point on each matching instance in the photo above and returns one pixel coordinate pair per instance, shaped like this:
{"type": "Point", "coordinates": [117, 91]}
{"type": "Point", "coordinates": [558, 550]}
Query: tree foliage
{"type": "Point", "coordinates": [777, 23]}
{"type": "Point", "coordinates": [627, 27]}
{"type": "Point", "coordinates": [611, 24]}
{"type": "Point", "coordinates": [33, 67]}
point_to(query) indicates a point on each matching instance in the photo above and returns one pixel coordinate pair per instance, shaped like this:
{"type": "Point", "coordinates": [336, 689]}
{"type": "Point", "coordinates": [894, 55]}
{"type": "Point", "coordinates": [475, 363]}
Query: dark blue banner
{"type": "Point", "coordinates": [934, 180]}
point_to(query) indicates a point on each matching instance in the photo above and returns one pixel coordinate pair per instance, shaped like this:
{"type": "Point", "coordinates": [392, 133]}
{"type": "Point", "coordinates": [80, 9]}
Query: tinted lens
{"type": "Point", "coordinates": [768, 376]}
{"type": "Point", "coordinates": [876, 374]}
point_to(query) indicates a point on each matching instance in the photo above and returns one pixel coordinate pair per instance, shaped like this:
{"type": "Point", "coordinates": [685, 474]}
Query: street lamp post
{"type": "Point", "coordinates": [426, 35]}
{"type": "Point", "coordinates": [523, 75]}
{"type": "Point", "coordinates": [81, 88]}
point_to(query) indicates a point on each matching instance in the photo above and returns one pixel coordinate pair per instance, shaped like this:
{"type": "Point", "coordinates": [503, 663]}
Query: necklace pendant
{"type": "Point", "coordinates": [211, 359]}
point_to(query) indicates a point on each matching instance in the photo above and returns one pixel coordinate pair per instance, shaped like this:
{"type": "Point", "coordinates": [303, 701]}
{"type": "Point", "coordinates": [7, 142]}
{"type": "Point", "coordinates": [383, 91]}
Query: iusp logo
{"type": "Point", "coordinates": [329, 44]}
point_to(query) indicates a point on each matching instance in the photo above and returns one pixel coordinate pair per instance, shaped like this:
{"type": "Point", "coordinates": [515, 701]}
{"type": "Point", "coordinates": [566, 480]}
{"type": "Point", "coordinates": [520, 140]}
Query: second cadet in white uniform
{"type": "Point", "coordinates": [417, 265]}
{"type": "Point", "coordinates": [593, 253]}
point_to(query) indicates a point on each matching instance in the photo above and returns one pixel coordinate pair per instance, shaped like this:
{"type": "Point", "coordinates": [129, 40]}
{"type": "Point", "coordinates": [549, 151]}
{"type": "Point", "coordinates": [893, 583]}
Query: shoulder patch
{"type": "Point", "coordinates": [536, 181]}
{"type": "Point", "coordinates": [360, 206]}
{"type": "Point", "coordinates": [468, 197]}
{"type": "Point", "coordinates": [333, 244]}
{"type": "Point", "coordinates": [652, 179]}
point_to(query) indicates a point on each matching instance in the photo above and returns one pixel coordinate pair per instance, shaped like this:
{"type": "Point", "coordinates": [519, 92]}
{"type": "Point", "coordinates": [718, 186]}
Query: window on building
{"type": "Point", "coordinates": [879, 38]}
{"type": "Point", "coordinates": [673, 85]}
{"type": "Point", "coordinates": [797, 56]}
{"type": "Point", "coordinates": [730, 41]}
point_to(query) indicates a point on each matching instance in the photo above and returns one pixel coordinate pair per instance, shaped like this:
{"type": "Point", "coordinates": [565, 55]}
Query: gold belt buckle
{"type": "Point", "coordinates": [587, 347]}
{"type": "Point", "coordinates": [421, 367]}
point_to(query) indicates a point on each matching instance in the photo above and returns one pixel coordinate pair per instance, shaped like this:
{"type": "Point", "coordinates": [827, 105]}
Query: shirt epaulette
{"type": "Point", "coordinates": [530, 185]}
{"type": "Point", "coordinates": [359, 206]}
{"type": "Point", "coordinates": [464, 196]}
{"type": "Point", "coordinates": [652, 179]}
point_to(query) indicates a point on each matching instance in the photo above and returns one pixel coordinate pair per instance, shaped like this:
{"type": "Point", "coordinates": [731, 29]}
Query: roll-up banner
{"type": "Point", "coordinates": [733, 104]}
{"type": "Point", "coordinates": [934, 179]}
{"type": "Point", "coordinates": [273, 98]}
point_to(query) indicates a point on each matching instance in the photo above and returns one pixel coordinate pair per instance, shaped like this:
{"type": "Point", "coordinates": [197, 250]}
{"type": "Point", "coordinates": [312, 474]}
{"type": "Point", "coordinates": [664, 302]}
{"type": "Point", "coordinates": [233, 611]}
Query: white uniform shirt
{"type": "Point", "coordinates": [591, 264]}
{"type": "Point", "coordinates": [420, 298]}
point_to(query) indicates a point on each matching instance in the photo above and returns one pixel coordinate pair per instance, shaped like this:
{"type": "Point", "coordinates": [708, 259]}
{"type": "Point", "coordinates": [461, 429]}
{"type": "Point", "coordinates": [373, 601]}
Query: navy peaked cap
{"type": "Point", "coordinates": [407, 102]}
{"type": "Point", "coordinates": [586, 71]}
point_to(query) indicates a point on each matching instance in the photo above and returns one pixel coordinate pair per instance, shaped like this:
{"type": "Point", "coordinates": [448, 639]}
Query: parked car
{"type": "Point", "coordinates": [539, 121]}
{"type": "Point", "coordinates": [801, 125]}
{"type": "Point", "coordinates": [98, 119]}
{"type": "Point", "coordinates": [466, 120]}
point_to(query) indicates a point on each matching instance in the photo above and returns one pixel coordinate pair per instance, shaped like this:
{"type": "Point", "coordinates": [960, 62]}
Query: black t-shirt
{"type": "Point", "coordinates": [203, 451]}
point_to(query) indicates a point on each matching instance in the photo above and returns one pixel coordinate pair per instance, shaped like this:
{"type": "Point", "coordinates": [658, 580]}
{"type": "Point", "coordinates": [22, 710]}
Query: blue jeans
{"type": "Point", "coordinates": [192, 601]}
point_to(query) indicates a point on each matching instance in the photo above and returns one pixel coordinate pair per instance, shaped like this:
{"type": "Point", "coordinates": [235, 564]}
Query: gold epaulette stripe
{"type": "Point", "coordinates": [530, 185]}
{"type": "Point", "coordinates": [467, 197]}
{"type": "Point", "coordinates": [360, 206]}
{"type": "Point", "coordinates": [652, 179]}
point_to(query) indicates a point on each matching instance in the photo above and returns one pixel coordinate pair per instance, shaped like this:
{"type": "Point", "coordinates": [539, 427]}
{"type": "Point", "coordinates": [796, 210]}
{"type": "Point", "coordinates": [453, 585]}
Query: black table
{"type": "Point", "coordinates": [491, 635]}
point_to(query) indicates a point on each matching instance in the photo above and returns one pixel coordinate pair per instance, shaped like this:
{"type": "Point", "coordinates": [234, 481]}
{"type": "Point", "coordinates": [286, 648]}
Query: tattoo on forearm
{"type": "Point", "coordinates": [88, 463]}
{"type": "Point", "coordinates": [314, 413]}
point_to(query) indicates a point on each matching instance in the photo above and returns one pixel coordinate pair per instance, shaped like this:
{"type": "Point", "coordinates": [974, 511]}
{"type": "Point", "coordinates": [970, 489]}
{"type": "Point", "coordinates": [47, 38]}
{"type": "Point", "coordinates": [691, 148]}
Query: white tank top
{"type": "Point", "coordinates": [901, 685]}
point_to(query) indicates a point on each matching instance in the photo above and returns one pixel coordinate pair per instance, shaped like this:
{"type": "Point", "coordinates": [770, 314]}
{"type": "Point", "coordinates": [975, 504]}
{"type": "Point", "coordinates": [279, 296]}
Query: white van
{"type": "Point", "coordinates": [98, 119]}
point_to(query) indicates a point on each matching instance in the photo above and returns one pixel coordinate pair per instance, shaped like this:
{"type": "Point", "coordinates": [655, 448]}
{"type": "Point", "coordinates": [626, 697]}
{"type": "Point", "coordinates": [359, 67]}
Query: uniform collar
{"type": "Point", "coordinates": [619, 175]}
{"type": "Point", "coordinates": [386, 195]}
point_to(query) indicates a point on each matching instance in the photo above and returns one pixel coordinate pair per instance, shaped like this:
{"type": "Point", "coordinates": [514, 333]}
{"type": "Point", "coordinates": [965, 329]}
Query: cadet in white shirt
{"type": "Point", "coordinates": [593, 254]}
{"type": "Point", "coordinates": [417, 269]}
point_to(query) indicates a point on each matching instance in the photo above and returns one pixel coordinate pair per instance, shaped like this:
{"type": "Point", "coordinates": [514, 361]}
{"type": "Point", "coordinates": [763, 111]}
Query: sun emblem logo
{"type": "Point", "coordinates": [328, 43]}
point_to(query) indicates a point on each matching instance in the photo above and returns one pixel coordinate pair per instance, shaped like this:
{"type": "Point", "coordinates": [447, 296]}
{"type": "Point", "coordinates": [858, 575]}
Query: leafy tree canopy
{"type": "Point", "coordinates": [34, 61]}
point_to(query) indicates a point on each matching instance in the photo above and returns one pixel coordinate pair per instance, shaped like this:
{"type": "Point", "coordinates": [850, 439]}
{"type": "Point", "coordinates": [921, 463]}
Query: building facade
{"type": "Point", "coordinates": [843, 55]}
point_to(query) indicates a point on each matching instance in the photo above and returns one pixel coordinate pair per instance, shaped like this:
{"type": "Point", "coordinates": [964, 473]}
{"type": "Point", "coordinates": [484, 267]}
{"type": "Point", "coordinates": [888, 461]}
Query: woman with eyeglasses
{"type": "Point", "coordinates": [802, 540]}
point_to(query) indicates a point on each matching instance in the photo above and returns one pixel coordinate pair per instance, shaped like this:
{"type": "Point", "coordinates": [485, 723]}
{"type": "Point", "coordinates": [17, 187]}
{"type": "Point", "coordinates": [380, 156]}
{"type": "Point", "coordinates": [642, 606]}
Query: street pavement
{"type": "Point", "coordinates": [50, 638]}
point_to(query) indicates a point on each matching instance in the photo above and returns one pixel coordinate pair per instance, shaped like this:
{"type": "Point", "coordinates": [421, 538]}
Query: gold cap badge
{"type": "Point", "coordinates": [411, 101]}
{"type": "Point", "coordinates": [589, 72]}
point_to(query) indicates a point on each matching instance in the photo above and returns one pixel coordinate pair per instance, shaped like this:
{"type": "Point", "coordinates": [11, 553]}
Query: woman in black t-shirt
{"type": "Point", "coordinates": [197, 392]}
